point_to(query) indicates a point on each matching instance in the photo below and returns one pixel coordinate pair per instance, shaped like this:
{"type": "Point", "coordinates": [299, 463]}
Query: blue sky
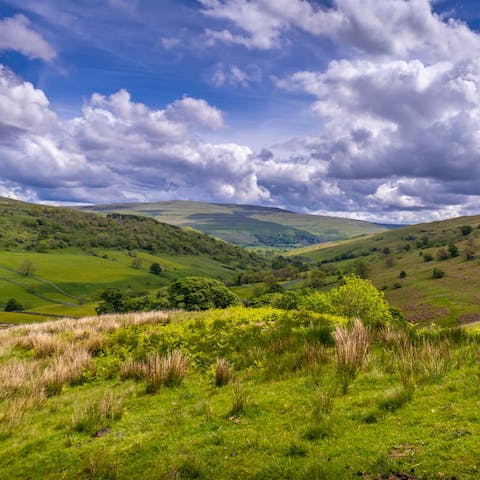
{"type": "Point", "coordinates": [355, 108]}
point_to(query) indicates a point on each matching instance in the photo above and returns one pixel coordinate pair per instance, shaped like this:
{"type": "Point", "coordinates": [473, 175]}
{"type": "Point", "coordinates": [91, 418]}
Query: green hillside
{"type": "Point", "coordinates": [76, 255]}
{"type": "Point", "coordinates": [248, 225]}
{"type": "Point", "coordinates": [415, 250]}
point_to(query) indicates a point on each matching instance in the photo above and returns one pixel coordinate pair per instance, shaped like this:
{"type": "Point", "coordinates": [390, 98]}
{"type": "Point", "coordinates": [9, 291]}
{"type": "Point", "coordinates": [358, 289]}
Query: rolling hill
{"type": "Point", "coordinates": [76, 255]}
{"type": "Point", "coordinates": [248, 225]}
{"type": "Point", "coordinates": [401, 262]}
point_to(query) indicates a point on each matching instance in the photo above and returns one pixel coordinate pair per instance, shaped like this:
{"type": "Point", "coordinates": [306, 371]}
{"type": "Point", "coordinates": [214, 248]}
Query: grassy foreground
{"type": "Point", "coordinates": [239, 393]}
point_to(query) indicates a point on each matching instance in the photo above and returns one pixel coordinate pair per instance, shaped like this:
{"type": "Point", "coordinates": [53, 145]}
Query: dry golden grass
{"type": "Point", "coordinates": [62, 351]}
{"type": "Point", "coordinates": [65, 369]}
{"type": "Point", "coordinates": [223, 372]}
{"type": "Point", "coordinates": [352, 344]}
{"type": "Point", "coordinates": [157, 370]}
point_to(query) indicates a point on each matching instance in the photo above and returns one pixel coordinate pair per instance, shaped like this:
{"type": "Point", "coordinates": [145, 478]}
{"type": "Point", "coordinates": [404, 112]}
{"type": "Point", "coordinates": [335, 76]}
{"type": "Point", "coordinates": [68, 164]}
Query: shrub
{"type": "Point", "coordinates": [427, 257]}
{"type": "Point", "coordinates": [200, 293]}
{"type": "Point", "coordinates": [442, 254]}
{"type": "Point", "coordinates": [452, 249]}
{"type": "Point", "coordinates": [359, 298]}
{"type": "Point", "coordinates": [13, 306]}
{"type": "Point", "coordinates": [155, 268]}
{"type": "Point", "coordinates": [437, 273]}
{"type": "Point", "coordinates": [403, 274]}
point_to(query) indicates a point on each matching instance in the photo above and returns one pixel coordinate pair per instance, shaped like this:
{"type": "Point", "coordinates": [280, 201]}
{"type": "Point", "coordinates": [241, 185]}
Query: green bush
{"type": "Point", "coordinates": [200, 293]}
{"type": "Point", "coordinates": [13, 306]}
{"type": "Point", "coordinates": [437, 273]}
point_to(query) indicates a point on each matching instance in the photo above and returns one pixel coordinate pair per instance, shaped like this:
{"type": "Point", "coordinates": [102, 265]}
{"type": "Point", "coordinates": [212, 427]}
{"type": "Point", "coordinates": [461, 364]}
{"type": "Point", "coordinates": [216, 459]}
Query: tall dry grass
{"type": "Point", "coordinates": [157, 370]}
{"type": "Point", "coordinates": [223, 372]}
{"type": "Point", "coordinates": [352, 343]}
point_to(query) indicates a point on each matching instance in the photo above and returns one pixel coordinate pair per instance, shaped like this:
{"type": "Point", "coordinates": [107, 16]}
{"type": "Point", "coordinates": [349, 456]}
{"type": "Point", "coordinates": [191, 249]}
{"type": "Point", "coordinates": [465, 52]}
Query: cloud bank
{"type": "Point", "coordinates": [396, 111]}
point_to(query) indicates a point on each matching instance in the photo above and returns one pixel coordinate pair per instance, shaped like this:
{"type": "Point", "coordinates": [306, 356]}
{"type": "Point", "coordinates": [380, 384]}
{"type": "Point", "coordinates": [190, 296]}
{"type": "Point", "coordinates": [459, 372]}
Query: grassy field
{"type": "Point", "coordinates": [248, 225]}
{"type": "Point", "coordinates": [109, 397]}
{"type": "Point", "coordinates": [68, 282]}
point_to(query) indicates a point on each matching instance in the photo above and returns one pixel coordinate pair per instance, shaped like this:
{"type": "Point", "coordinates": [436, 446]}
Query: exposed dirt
{"type": "Point", "coordinates": [467, 318]}
{"type": "Point", "coordinates": [421, 312]}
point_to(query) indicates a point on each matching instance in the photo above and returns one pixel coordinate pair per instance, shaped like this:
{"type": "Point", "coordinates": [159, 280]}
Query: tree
{"type": "Point", "coordinates": [13, 306]}
{"type": "Point", "coordinates": [156, 268]}
{"type": "Point", "coordinates": [317, 278]}
{"type": "Point", "coordinates": [113, 301]}
{"type": "Point", "coordinates": [200, 293]}
{"type": "Point", "coordinates": [359, 298]}
{"type": "Point", "coordinates": [438, 273]}
{"type": "Point", "coordinates": [27, 268]}
{"type": "Point", "coordinates": [466, 230]}
{"type": "Point", "coordinates": [361, 268]}
{"type": "Point", "coordinates": [136, 263]}
{"type": "Point", "coordinates": [452, 249]}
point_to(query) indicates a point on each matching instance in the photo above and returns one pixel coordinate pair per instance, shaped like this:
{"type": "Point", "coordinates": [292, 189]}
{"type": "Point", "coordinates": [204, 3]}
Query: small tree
{"type": "Point", "coordinates": [156, 268]}
{"type": "Point", "coordinates": [136, 263]}
{"type": "Point", "coordinates": [452, 249]}
{"type": "Point", "coordinates": [200, 293]}
{"type": "Point", "coordinates": [27, 268]}
{"type": "Point", "coordinates": [438, 273]}
{"type": "Point", "coordinates": [13, 306]}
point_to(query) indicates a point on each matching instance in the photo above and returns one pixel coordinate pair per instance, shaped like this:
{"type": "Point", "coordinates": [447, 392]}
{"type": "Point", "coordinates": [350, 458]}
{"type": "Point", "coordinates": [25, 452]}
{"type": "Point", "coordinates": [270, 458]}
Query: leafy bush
{"type": "Point", "coordinates": [156, 268]}
{"type": "Point", "coordinates": [437, 273]}
{"type": "Point", "coordinates": [359, 298]}
{"type": "Point", "coordinates": [13, 306]}
{"type": "Point", "coordinates": [200, 293]}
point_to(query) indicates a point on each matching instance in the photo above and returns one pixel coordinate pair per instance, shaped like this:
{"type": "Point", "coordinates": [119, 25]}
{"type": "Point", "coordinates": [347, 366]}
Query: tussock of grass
{"type": "Point", "coordinates": [97, 415]}
{"type": "Point", "coordinates": [352, 344]}
{"type": "Point", "coordinates": [65, 369]}
{"type": "Point", "coordinates": [157, 371]}
{"type": "Point", "coordinates": [394, 398]}
{"type": "Point", "coordinates": [239, 399]}
{"type": "Point", "coordinates": [223, 372]}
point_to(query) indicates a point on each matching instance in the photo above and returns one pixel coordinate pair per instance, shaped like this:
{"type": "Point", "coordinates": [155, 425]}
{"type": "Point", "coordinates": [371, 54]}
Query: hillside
{"type": "Point", "coordinates": [416, 251]}
{"type": "Point", "coordinates": [248, 225]}
{"type": "Point", "coordinates": [76, 255]}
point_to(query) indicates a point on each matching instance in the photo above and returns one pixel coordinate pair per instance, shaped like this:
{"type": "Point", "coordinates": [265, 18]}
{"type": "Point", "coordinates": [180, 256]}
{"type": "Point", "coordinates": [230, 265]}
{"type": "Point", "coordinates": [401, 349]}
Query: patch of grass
{"type": "Point", "coordinates": [223, 372]}
{"type": "Point", "coordinates": [352, 344]}
{"type": "Point", "coordinates": [394, 398]}
{"type": "Point", "coordinates": [97, 416]}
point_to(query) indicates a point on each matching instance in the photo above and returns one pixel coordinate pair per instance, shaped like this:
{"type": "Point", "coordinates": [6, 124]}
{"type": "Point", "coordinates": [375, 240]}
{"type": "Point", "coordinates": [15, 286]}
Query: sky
{"type": "Point", "coordinates": [366, 109]}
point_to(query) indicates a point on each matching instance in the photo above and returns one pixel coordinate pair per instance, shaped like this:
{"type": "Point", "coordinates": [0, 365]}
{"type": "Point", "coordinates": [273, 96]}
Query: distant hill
{"type": "Point", "coordinates": [248, 225]}
{"type": "Point", "coordinates": [417, 250]}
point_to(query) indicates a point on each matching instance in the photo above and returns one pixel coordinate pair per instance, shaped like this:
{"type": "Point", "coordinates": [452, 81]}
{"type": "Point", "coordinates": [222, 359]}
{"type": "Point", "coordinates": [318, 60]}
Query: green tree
{"type": "Point", "coordinates": [156, 268]}
{"type": "Point", "coordinates": [359, 298]}
{"type": "Point", "coordinates": [136, 263]}
{"type": "Point", "coordinates": [438, 273]}
{"type": "Point", "coordinates": [112, 301]}
{"type": "Point", "coordinates": [200, 293]}
{"type": "Point", "coordinates": [13, 306]}
{"type": "Point", "coordinates": [452, 249]}
{"type": "Point", "coordinates": [361, 268]}
{"type": "Point", "coordinates": [27, 268]}
{"type": "Point", "coordinates": [317, 278]}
